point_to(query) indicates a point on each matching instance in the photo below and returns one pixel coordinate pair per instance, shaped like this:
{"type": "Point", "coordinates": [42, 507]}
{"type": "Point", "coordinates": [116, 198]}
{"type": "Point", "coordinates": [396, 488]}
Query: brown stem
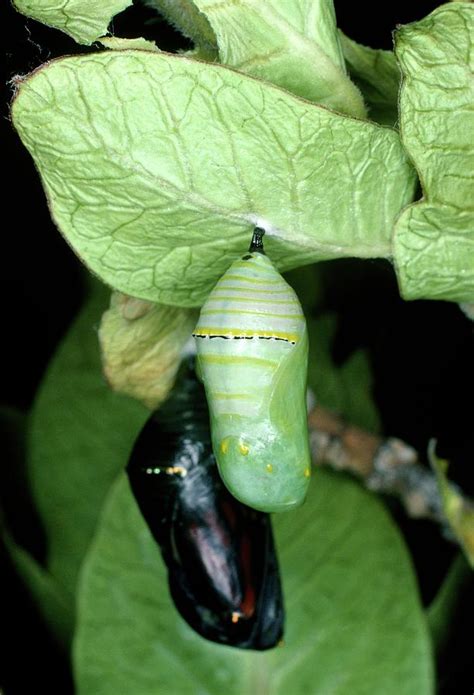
{"type": "Point", "coordinates": [384, 465]}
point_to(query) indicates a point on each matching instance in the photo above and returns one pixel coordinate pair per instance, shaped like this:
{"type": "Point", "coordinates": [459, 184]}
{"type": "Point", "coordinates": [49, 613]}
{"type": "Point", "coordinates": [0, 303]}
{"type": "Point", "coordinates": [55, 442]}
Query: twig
{"type": "Point", "coordinates": [388, 466]}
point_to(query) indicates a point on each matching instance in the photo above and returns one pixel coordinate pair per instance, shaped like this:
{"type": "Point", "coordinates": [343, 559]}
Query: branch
{"type": "Point", "coordinates": [384, 465]}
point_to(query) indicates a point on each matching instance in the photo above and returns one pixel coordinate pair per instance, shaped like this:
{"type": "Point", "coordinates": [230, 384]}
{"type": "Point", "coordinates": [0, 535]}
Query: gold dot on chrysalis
{"type": "Point", "coordinates": [176, 470]}
{"type": "Point", "coordinates": [269, 468]}
{"type": "Point", "coordinates": [307, 472]}
{"type": "Point", "coordinates": [235, 617]}
{"type": "Point", "coordinates": [244, 449]}
{"type": "Point", "coordinates": [225, 446]}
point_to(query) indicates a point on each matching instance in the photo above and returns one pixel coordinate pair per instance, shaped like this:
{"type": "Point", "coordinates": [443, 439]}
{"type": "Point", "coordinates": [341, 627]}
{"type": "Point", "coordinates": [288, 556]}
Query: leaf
{"type": "Point", "coordinates": [141, 346]}
{"type": "Point", "coordinates": [443, 607]}
{"type": "Point", "coordinates": [458, 510]}
{"type": "Point", "coordinates": [157, 168]}
{"type": "Point", "coordinates": [377, 75]}
{"type": "Point", "coordinates": [294, 45]}
{"type": "Point", "coordinates": [350, 594]}
{"type": "Point", "coordinates": [54, 606]}
{"type": "Point", "coordinates": [468, 310]}
{"type": "Point", "coordinates": [307, 282]}
{"type": "Point", "coordinates": [356, 386]}
{"type": "Point", "coordinates": [322, 375]}
{"type": "Point", "coordinates": [185, 16]}
{"type": "Point", "coordinates": [345, 389]}
{"type": "Point", "coordinates": [21, 525]}
{"type": "Point", "coordinates": [81, 435]}
{"type": "Point", "coordinates": [17, 511]}
{"type": "Point", "coordinates": [84, 20]}
{"type": "Point", "coordinates": [434, 238]}
{"type": "Point", "coordinates": [117, 44]}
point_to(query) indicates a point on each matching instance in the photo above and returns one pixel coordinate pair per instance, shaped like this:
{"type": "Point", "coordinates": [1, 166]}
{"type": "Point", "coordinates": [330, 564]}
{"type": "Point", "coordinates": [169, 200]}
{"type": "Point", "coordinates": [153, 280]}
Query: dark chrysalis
{"type": "Point", "coordinates": [222, 564]}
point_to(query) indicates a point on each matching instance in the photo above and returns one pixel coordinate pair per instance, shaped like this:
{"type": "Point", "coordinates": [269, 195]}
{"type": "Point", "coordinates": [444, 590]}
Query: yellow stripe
{"type": "Point", "coordinates": [239, 333]}
{"type": "Point", "coordinates": [235, 297]}
{"type": "Point", "coordinates": [245, 265]}
{"type": "Point", "coordinates": [241, 312]}
{"type": "Point", "coordinates": [251, 280]}
{"type": "Point", "coordinates": [220, 395]}
{"type": "Point", "coordinates": [242, 361]}
{"type": "Point", "coordinates": [222, 286]}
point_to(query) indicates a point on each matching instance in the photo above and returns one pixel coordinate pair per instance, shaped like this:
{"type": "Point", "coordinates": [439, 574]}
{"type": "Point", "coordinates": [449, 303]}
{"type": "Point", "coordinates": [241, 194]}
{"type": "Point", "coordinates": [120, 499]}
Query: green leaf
{"type": "Point", "coordinates": [322, 374]}
{"type": "Point", "coordinates": [53, 604]}
{"type": "Point", "coordinates": [345, 389]}
{"type": "Point", "coordinates": [19, 520]}
{"type": "Point", "coordinates": [354, 622]}
{"type": "Point", "coordinates": [157, 168]}
{"type": "Point", "coordinates": [377, 75]}
{"type": "Point", "coordinates": [458, 509]}
{"type": "Point", "coordinates": [434, 238]}
{"type": "Point", "coordinates": [81, 434]}
{"type": "Point", "coordinates": [307, 282]}
{"type": "Point", "coordinates": [15, 504]}
{"type": "Point", "coordinates": [141, 346]}
{"type": "Point", "coordinates": [117, 44]}
{"type": "Point", "coordinates": [356, 386]}
{"type": "Point", "coordinates": [185, 16]}
{"type": "Point", "coordinates": [84, 20]}
{"type": "Point", "coordinates": [442, 608]}
{"type": "Point", "coordinates": [468, 310]}
{"type": "Point", "coordinates": [294, 45]}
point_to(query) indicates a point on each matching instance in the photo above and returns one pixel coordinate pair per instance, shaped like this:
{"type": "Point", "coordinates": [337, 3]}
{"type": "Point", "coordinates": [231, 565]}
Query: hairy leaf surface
{"type": "Point", "coordinates": [292, 44]}
{"type": "Point", "coordinates": [84, 20]}
{"type": "Point", "coordinates": [434, 238]}
{"type": "Point", "coordinates": [377, 75]}
{"type": "Point", "coordinates": [157, 168]}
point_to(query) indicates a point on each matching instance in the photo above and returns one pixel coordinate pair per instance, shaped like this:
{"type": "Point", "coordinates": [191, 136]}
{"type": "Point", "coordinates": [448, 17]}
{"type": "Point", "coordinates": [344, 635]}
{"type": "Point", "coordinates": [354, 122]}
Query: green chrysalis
{"type": "Point", "coordinates": [252, 348]}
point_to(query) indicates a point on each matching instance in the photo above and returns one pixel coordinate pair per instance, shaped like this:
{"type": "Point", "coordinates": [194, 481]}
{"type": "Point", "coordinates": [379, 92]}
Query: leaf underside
{"type": "Point", "coordinates": [84, 20]}
{"type": "Point", "coordinates": [157, 168]}
{"type": "Point", "coordinates": [293, 45]}
{"type": "Point", "coordinates": [434, 238]}
{"type": "Point", "coordinates": [377, 75]}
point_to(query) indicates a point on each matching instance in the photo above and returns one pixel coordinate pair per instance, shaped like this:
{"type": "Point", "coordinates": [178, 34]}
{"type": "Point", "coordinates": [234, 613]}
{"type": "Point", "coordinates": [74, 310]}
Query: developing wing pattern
{"type": "Point", "coordinates": [220, 554]}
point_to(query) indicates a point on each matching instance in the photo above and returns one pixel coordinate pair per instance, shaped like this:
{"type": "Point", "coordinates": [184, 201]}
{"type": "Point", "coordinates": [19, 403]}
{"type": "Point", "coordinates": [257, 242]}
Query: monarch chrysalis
{"type": "Point", "coordinates": [221, 559]}
{"type": "Point", "coordinates": [252, 349]}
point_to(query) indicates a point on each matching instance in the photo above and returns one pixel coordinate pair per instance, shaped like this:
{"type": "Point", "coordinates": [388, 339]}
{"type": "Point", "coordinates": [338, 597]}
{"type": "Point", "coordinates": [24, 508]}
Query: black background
{"type": "Point", "coordinates": [421, 352]}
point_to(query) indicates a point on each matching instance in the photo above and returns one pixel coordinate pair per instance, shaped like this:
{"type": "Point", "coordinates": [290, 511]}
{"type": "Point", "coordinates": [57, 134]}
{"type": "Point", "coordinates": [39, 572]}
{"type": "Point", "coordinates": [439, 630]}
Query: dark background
{"type": "Point", "coordinates": [421, 352]}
